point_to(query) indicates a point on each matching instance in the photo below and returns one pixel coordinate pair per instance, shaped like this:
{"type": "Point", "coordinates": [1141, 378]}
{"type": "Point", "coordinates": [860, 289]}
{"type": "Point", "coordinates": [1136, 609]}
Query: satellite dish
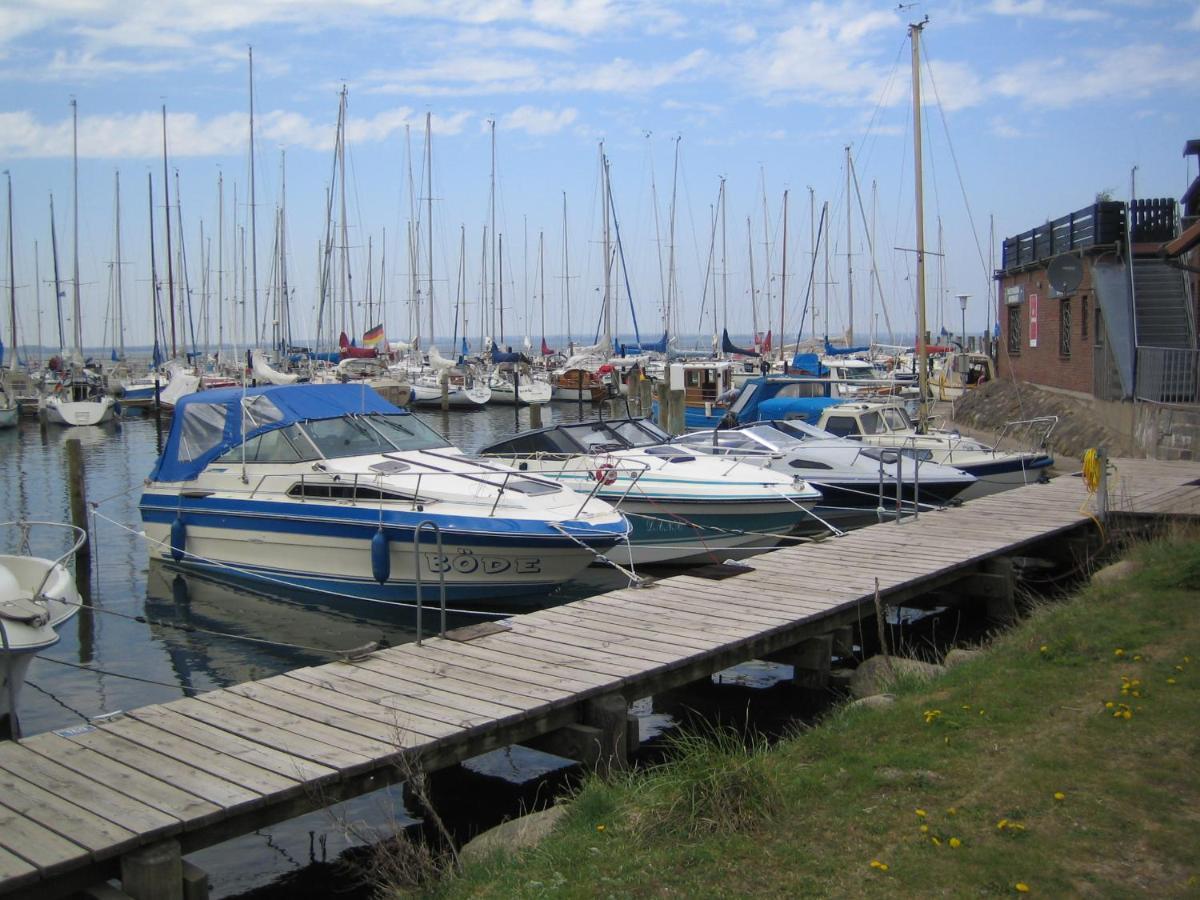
{"type": "Point", "coordinates": [1065, 273]}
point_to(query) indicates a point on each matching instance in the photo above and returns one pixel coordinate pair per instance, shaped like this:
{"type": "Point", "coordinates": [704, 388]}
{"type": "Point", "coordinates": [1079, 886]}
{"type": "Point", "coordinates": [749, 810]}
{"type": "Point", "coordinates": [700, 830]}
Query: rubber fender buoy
{"type": "Point", "coordinates": [381, 556]}
{"type": "Point", "coordinates": [178, 539]}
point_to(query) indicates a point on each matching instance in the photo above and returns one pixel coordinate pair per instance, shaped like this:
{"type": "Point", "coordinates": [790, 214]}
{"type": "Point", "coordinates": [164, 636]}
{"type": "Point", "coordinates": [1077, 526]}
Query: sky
{"type": "Point", "coordinates": [1031, 108]}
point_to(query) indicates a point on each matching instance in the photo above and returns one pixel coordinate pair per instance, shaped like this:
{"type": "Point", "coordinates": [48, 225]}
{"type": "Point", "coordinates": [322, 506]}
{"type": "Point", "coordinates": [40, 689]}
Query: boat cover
{"type": "Point", "coordinates": [209, 423]}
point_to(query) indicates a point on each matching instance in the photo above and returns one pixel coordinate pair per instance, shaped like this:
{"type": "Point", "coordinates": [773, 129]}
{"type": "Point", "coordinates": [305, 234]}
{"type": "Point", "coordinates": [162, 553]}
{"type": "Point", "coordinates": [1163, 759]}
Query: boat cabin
{"type": "Point", "coordinates": [582, 438]}
{"type": "Point", "coordinates": [856, 420]}
{"type": "Point", "coordinates": [705, 381]}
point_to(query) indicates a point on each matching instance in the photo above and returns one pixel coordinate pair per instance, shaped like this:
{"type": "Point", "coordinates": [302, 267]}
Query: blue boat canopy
{"type": "Point", "coordinates": [209, 423]}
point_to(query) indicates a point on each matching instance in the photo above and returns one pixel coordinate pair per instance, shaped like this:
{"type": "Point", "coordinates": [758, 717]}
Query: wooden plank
{"type": "Point", "coordinates": [674, 623]}
{"type": "Point", "coordinates": [582, 657]}
{"type": "Point", "coordinates": [239, 746]}
{"type": "Point", "coordinates": [766, 611]}
{"type": "Point", "coordinates": [460, 694]}
{"type": "Point", "coordinates": [530, 671]}
{"type": "Point", "coordinates": [321, 743]}
{"type": "Point", "coordinates": [685, 599]}
{"type": "Point", "coordinates": [36, 846]}
{"type": "Point", "coordinates": [598, 623]}
{"type": "Point", "coordinates": [368, 685]}
{"type": "Point", "coordinates": [216, 756]}
{"type": "Point", "coordinates": [503, 685]}
{"type": "Point", "coordinates": [230, 796]}
{"type": "Point", "coordinates": [356, 725]}
{"type": "Point", "coordinates": [99, 835]}
{"type": "Point", "coordinates": [784, 605]}
{"type": "Point", "coordinates": [617, 643]}
{"type": "Point", "coordinates": [79, 790]}
{"type": "Point", "coordinates": [15, 872]}
{"type": "Point", "coordinates": [129, 780]}
{"type": "Point", "coordinates": [402, 725]}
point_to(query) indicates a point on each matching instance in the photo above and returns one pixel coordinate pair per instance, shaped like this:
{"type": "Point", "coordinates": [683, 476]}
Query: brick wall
{"type": "Point", "coordinates": [1046, 364]}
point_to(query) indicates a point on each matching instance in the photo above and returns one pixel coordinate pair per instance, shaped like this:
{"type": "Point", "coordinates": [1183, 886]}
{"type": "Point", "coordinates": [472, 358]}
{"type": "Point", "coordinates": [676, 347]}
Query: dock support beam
{"type": "Point", "coordinates": [810, 661]}
{"type": "Point", "coordinates": [664, 406]}
{"type": "Point", "coordinates": [645, 394]}
{"type": "Point", "coordinates": [678, 413]}
{"type": "Point", "coordinates": [535, 415]}
{"type": "Point", "coordinates": [154, 872]}
{"type": "Point", "coordinates": [601, 740]}
{"type": "Point", "coordinates": [1001, 594]}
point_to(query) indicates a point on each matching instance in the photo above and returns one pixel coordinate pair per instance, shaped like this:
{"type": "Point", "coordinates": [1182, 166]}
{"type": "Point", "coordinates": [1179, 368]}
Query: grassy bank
{"type": "Point", "coordinates": [1063, 762]}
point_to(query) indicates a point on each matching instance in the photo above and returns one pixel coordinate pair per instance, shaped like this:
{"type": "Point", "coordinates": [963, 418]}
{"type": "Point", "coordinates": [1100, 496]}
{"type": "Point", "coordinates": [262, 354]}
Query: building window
{"type": "Point", "coordinates": [1014, 329]}
{"type": "Point", "coordinates": [1064, 327]}
{"type": "Point", "coordinates": [1083, 317]}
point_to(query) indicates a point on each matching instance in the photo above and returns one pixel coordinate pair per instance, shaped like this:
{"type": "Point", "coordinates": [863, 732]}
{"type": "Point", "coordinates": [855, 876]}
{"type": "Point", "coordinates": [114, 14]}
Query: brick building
{"type": "Point", "coordinates": [1103, 301]}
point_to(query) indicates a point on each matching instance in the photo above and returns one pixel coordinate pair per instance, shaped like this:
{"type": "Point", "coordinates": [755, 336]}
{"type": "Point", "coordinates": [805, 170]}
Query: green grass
{"type": "Point", "coordinates": [1011, 729]}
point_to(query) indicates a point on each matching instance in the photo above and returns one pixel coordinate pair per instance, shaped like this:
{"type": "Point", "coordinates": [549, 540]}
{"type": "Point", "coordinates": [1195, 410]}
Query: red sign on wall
{"type": "Point", "coordinates": [1033, 320]}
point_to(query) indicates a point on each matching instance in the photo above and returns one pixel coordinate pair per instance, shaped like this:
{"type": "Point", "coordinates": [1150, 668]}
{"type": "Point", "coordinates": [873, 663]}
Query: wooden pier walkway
{"type": "Point", "coordinates": [86, 804]}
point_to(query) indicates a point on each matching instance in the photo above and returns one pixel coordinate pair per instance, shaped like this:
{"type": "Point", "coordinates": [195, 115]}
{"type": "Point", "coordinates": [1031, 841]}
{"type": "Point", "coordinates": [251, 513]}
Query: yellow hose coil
{"type": "Point", "coordinates": [1091, 470]}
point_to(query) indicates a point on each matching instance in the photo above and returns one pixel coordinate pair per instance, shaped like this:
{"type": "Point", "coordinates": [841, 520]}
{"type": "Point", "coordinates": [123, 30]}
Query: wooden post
{"type": "Point", "coordinates": [195, 882]}
{"type": "Point", "coordinates": [609, 713]}
{"type": "Point", "coordinates": [535, 415]}
{"type": "Point", "coordinates": [664, 406]}
{"type": "Point", "coordinates": [445, 392]}
{"type": "Point", "coordinates": [645, 398]}
{"type": "Point", "coordinates": [678, 420]}
{"type": "Point", "coordinates": [154, 872]}
{"type": "Point", "coordinates": [843, 642]}
{"type": "Point", "coordinates": [810, 662]}
{"type": "Point", "coordinates": [77, 490]}
{"type": "Point", "coordinates": [1001, 596]}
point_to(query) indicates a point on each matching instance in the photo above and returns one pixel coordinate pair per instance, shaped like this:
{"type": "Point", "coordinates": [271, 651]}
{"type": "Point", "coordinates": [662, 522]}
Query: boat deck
{"type": "Point", "coordinates": [200, 770]}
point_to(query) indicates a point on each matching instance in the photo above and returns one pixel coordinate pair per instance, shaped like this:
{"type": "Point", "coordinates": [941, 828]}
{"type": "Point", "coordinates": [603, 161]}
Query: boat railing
{"type": "Point", "coordinates": [1028, 434]}
{"type": "Point", "coordinates": [437, 533]}
{"type": "Point", "coordinates": [895, 456]}
{"type": "Point", "coordinates": [25, 546]}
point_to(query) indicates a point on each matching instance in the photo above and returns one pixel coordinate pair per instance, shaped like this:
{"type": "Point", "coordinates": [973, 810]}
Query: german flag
{"type": "Point", "coordinates": [373, 337]}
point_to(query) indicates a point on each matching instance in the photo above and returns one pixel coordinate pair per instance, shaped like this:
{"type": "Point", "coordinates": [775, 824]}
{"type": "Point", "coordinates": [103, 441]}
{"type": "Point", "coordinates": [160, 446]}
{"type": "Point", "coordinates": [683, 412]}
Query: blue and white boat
{"type": "Point", "coordinates": [326, 487]}
{"type": "Point", "coordinates": [683, 507]}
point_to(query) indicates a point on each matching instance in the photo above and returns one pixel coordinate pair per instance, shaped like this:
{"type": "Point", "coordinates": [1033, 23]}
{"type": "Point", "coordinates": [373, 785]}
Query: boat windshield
{"type": "Point", "coordinates": [799, 431]}
{"type": "Point", "coordinates": [597, 436]}
{"type": "Point", "coordinates": [366, 435]}
{"type": "Point", "coordinates": [895, 418]}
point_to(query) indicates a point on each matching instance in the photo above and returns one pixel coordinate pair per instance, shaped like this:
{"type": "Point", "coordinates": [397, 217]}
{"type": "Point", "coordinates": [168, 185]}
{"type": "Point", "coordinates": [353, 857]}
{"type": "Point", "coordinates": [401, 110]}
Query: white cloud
{"type": "Point", "coordinates": [825, 57]}
{"type": "Point", "coordinates": [1194, 22]}
{"type": "Point", "coordinates": [743, 33]}
{"type": "Point", "coordinates": [537, 121]}
{"type": "Point", "coordinates": [139, 135]}
{"type": "Point", "coordinates": [1124, 72]}
{"type": "Point", "coordinates": [1041, 9]}
{"type": "Point", "coordinates": [1002, 128]}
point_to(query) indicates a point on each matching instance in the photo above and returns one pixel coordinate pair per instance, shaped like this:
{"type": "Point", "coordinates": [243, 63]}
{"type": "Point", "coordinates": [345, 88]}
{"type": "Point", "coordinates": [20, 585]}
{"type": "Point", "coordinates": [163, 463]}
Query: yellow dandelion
{"type": "Point", "coordinates": [1137, 693]}
{"type": "Point", "coordinates": [981, 712]}
{"type": "Point", "coordinates": [1179, 668]}
{"type": "Point", "coordinates": [1015, 826]}
{"type": "Point", "coordinates": [1059, 795]}
{"type": "Point", "coordinates": [920, 812]}
{"type": "Point", "coordinates": [1118, 652]}
{"type": "Point", "coordinates": [1170, 681]}
{"type": "Point", "coordinates": [1108, 704]}
{"type": "Point", "coordinates": [966, 706]}
{"type": "Point", "coordinates": [935, 841]}
{"type": "Point", "coordinates": [1044, 648]}
{"type": "Point", "coordinates": [1126, 714]}
{"type": "Point", "coordinates": [1187, 659]}
{"type": "Point", "coordinates": [1137, 657]}
{"type": "Point", "coordinates": [924, 829]}
{"type": "Point", "coordinates": [955, 843]}
{"type": "Point", "coordinates": [1022, 887]}
{"type": "Point", "coordinates": [952, 811]}
{"type": "Point", "coordinates": [1002, 824]}
{"type": "Point", "coordinates": [875, 864]}
{"type": "Point", "coordinates": [599, 827]}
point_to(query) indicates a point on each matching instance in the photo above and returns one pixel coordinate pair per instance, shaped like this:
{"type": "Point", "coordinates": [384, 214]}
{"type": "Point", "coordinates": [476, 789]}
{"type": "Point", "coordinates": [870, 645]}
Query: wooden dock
{"type": "Point", "coordinates": [125, 797]}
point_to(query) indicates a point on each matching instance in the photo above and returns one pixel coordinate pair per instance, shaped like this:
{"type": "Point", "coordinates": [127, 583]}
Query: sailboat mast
{"type": "Point", "coordinates": [75, 229]}
{"type": "Point", "coordinates": [849, 253]}
{"type": "Point", "coordinates": [220, 264]}
{"type": "Point", "coordinates": [607, 249]}
{"type": "Point", "coordinates": [253, 210]}
{"type": "Point", "coordinates": [783, 276]}
{"type": "Point", "coordinates": [566, 260]}
{"type": "Point", "coordinates": [153, 270]}
{"type": "Point", "coordinates": [724, 265]}
{"type": "Point", "coordinates": [874, 271]}
{"type": "Point", "coordinates": [58, 292]}
{"type": "Point", "coordinates": [167, 223]}
{"type": "Point", "coordinates": [750, 257]}
{"type": "Point", "coordinates": [492, 215]}
{"type": "Point", "coordinates": [12, 279]}
{"type": "Point", "coordinates": [542, 273]}
{"type": "Point", "coordinates": [117, 274]}
{"type": "Point", "coordinates": [914, 32]}
{"type": "Point", "coordinates": [429, 218]}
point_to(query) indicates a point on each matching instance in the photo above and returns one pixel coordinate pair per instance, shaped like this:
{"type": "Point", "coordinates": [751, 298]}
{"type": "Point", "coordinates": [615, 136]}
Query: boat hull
{"type": "Point", "coordinates": [995, 476]}
{"type": "Point", "coordinates": [328, 550]}
{"type": "Point", "coordinates": [83, 412]}
{"type": "Point", "coordinates": [457, 397]}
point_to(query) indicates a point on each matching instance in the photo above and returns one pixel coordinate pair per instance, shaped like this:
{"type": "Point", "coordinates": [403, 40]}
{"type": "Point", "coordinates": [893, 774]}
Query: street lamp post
{"type": "Point", "coordinates": [962, 305]}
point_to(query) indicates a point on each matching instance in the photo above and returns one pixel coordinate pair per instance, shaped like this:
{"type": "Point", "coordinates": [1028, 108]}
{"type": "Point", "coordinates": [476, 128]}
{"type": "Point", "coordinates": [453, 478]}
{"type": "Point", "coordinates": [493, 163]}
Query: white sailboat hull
{"type": "Point", "coordinates": [81, 412]}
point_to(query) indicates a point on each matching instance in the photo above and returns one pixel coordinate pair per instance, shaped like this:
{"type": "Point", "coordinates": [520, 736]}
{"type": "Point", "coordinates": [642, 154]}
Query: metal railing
{"type": "Point", "coordinates": [1168, 375]}
{"type": "Point", "coordinates": [25, 548]}
{"type": "Point", "coordinates": [437, 533]}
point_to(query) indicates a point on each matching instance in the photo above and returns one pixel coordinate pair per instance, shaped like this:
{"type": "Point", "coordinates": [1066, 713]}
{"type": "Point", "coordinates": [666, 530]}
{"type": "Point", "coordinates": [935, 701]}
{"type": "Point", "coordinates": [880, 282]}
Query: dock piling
{"type": "Point", "coordinates": [77, 491]}
{"type": "Point", "coordinates": [154, 872]}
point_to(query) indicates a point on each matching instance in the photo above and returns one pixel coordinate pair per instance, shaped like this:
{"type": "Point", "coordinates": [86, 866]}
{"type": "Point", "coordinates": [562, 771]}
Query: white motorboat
{"type": "Point", "coordinates": [36, 596]}
{"type": "Point", "coordinates": [683, 507]}
{"type": "Point", "coordinates": [858, 483]}
{"type": "Point", "coordinates": [884, 424]}
{"type": "Point", "coordinates": [329, 488]}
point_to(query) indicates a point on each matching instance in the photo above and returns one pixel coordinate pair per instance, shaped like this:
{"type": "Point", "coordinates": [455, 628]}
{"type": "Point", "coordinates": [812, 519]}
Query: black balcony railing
{"type": "Point", "coordinates": [1096, 225]}
{"type": "Point", "coordinates": [1152, 221]}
